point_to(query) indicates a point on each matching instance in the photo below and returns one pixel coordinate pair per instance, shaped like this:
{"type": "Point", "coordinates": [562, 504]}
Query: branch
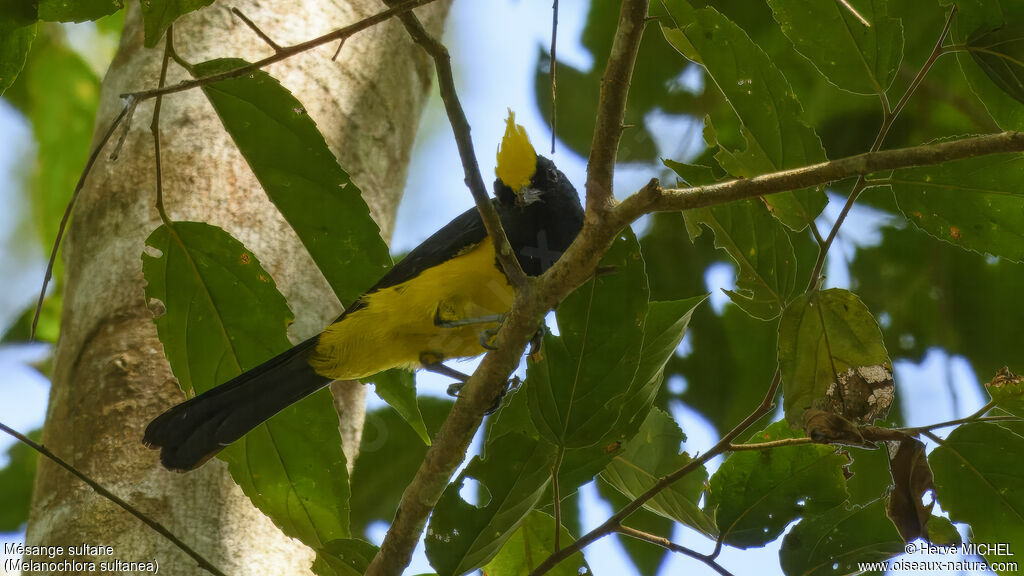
{"type": "Point", "coordinates": [156, 526]}
{"type": "Point", "coordinates": [771, 444]}
{"type": "Point", "coordinates": [134, 98]}
{"type": "Point", "coordinates": [460, 126]}
{"type": "Point", "coordinates": [673, 547]}
{"type": "Point", "coordinates": [656, 199]}
{"type": "Point", "coordinates": [284, 52]}
{"type": "Point", "coordinates": [611, 105]}
{"type": "Point", "coordinates": [889, 116]}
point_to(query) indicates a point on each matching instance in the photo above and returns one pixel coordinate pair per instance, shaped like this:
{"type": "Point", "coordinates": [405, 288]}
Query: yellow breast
{"type": "Point", "coordinates": [397, 325]}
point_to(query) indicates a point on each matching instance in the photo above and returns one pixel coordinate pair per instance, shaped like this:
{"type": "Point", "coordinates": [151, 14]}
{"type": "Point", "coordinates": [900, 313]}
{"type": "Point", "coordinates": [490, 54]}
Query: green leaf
{"type": "Point", "coordinates": [575, 389]}
{"type": "Point", "coordinates": [16, 480]}
{"type": "Point", "coordinates": [759, 246]}
{"type": "Point", "coordinates": [771, 118]}
{"type": "Point", "coordinates": [289, 156]}
{"type": "Point", "coordinates": [755, 494]}
{"type": "Point", "coordinates": [17, 30]}
{"type": "Point", "coordinates": [653, 454]}
{"type": "Point", "coordinates": [158, 15]}
{"type": "Point", "coordinates": [79, 10]}
{"type": "Point", "coordinates": [512, 475]}
{"type": "Point", "coordinates": [859, 58]}
{"type": "Point", "coordinates": [979, 22]}
{"type": "Point", "coordinates": [823, 334]}
{"type": "Point", "coordinates": [530, 544]}
{"type": "Point", "coordinates": [1000, 54]}
{"type": "Point", "coordinates": [975, 203]}
{"type": "Point", "coordinates": [344, 557]}
{"type": "Point", "coordinates": [397, 387]}
{"type": "Point", "coordinates": [663, 331]}
{"type": "Point", "coordinates": [979, 480]}
{"type": "Point", "coordinates": [389, 455]}
{"type": "Point", "coordinates": [219, 314]}
{"type": "Point", "coordinates": [664, 328]}
{"type": "Point", "coordinates": [836, 541]}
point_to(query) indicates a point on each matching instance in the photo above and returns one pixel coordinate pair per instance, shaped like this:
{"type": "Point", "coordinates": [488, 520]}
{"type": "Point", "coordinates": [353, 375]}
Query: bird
{"type": "Point", "coordinates": [444, 300]}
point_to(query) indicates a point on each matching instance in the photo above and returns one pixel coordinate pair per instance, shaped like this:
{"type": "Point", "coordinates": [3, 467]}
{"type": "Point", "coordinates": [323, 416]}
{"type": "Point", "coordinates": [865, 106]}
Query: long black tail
{"type": "Point", "coordinates": [193, 431]}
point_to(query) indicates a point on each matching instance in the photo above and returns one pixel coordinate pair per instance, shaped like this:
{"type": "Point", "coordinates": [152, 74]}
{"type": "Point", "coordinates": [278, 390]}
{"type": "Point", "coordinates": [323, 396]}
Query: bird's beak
{"type": "Point", "coordinates": [529, 195]}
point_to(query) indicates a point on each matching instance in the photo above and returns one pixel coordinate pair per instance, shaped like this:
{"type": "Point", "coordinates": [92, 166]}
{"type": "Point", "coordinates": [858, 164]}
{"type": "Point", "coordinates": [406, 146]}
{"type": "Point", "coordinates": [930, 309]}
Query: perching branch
{"type": "Point", "coordinates": [460, 127]}
{"type": "Point", "coordinates": [156, 526]}
{"type": "Point", "coordinates": [657, 199]}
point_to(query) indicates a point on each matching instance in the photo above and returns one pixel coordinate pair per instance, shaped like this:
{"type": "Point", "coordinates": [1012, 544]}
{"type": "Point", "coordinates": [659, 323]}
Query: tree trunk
{"type": "Point", "coordinates": [110, 376]}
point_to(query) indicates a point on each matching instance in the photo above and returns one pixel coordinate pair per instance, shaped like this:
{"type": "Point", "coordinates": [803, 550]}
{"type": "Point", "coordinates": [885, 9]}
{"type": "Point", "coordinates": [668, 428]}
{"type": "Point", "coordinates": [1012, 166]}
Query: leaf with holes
{"type": "Point", "coordinates": [836, 541]}
{"type": "Point", "coordinates": [755, 494]}
{"type": "Point", "coordinates": [975, 203]}
{"type": "Point", "coordinates": [300, 175]}
{"type": "Point", "coordinates": [221, 315]}
{"type": "Point", "coordinates": [512, 475]}
{"type": "Point", "coordinates": [822, 334]}
{"type": "Point", "coordinates": [771, 118]}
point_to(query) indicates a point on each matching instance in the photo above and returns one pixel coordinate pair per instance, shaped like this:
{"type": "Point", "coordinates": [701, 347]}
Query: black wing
{"type": "Point", "coordinates": [464, 231]}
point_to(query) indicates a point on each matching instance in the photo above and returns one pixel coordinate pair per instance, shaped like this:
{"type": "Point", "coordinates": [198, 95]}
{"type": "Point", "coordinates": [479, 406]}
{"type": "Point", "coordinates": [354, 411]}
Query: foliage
{"type": "Point", "coordinates": [778, 85]}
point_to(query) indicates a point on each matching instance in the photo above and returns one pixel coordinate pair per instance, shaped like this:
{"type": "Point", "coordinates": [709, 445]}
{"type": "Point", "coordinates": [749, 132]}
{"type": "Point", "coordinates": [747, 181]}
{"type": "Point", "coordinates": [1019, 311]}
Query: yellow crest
{"type": "Point", "coordinates": [517, 160]}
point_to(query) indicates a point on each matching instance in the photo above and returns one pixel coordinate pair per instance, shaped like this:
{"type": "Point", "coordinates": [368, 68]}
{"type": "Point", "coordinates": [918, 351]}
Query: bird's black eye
{"type": "Point", "coordinates": [553, 174]}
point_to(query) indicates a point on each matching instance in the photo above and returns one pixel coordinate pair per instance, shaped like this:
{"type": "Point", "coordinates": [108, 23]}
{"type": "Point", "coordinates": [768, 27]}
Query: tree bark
{"type": "Point", "coordinates": [110, 377]}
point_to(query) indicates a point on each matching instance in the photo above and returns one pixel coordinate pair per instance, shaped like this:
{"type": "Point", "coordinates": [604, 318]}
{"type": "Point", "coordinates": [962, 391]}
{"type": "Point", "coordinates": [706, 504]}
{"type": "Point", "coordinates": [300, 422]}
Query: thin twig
{"type": "Point", "coordinates": [554, 70]}
{"type": "Point", "coordinates": [770, 445]}
{"type": "Point", "coordinates": [856, 14]}
{"type": "Point", "coordinates": [614, 523]}
{"type": "Point", "coordinates": [133, 99]}
{"type": "Point", "coordinates": [130, 104]}
{"type": "Point", "coordinates": [67, 215]}
{"type": "Point", "coordinates": [673, 547]}
{"type": "Point", "coordinates": [154, 127]}
{"type": "Point", "coordinates": [256, 29]}
{"type": "Point", "coordinates": [611, 106]}
{"type": "Point", "coordinates": [460, 127]}
{"type": "Point", "coordinates": [888, 118]}
{"type": "Point", "coordinates": [156, 526]}
{"type": "Point", "coordinates": [286, 51]}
